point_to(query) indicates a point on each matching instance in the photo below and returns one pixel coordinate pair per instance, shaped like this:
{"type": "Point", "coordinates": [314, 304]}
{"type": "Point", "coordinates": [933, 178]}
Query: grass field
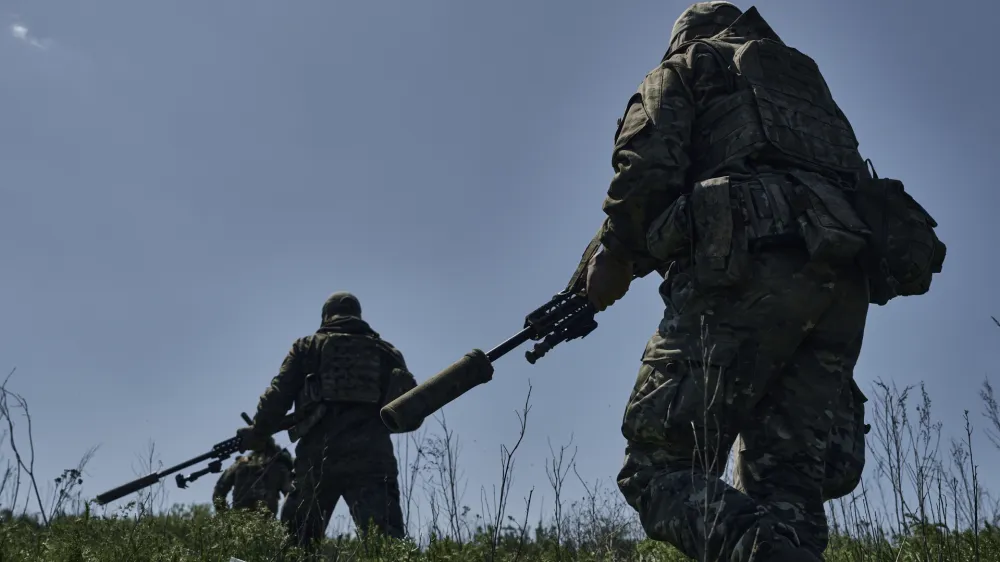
{"type": "Point", "coordinates": [921, 500]}
{"type": "Point", "coordinates": [195, 534]}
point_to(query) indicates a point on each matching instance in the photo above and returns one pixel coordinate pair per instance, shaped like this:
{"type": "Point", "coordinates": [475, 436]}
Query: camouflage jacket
{"type": "Point", "coordinates": [681, 114]}
{"type": "Point", "coordinates": [257, 477]}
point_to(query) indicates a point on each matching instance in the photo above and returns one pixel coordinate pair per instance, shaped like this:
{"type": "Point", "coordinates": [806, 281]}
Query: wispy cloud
{"type": "Point", "coordinates": [38, 57]}
{"type": "Point", "coordinates": [22, 33]}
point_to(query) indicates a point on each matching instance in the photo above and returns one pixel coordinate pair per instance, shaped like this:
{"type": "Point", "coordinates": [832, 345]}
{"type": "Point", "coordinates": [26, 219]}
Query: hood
{"type": "Point", "coordinates": [703, 20]}
{"type": "Point", "coordinates": [751, 25]}
{"type": "Point", "coordinates": [721, 20]}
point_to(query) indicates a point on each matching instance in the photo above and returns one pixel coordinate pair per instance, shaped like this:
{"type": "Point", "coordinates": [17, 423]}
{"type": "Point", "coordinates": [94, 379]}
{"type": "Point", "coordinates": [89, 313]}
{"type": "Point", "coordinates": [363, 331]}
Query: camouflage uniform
{"type": "Point", "coordinates": [845, 449]}
{"type": "Point", "coordinates": [338, 379]}
{"type": "Point", "coordinates": [732, 161]}
{"type": "Point", "coordinates": [258, 478]}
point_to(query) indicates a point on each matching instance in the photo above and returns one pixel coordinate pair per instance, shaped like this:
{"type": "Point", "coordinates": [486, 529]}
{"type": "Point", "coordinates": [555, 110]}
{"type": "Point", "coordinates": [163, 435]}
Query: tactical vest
{"type": "Point", "coordinates": [778, 109]}
{"type": "Point", "coordinates": [778, 113]}
{"type": "Point", "coordinates": [350, 369]}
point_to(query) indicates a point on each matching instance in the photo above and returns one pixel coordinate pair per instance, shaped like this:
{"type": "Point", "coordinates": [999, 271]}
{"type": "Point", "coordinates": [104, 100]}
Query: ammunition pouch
{"type": "Point", "coordinates": [832, 230]}
{"type": "Point", "coordinates": [726, 219]}
{"type": "Point", "coordinates": [904, 252]}
{"type": "Point", "coordinates": [721, 256]}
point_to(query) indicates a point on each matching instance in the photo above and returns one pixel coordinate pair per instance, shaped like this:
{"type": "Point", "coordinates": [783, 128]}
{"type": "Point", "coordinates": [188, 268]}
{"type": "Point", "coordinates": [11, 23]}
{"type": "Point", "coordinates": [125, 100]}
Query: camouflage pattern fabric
{"type": "Point", "coordinates": [710, 373]}
{"type": "Point", "coordinates": [767, 357]}
{"type": "Point", "coordinates": [703, 19]}
{"type": "Point", "coordinates": [349, 451]}
{"type": "Point", "coordinates": [256, 479]}
{"type": "Point", "coordinates": [651, 152]}
{"type": "Point", "coordinates": [845, 449]}
{"type": "Point", "coordinates": [344, 457]}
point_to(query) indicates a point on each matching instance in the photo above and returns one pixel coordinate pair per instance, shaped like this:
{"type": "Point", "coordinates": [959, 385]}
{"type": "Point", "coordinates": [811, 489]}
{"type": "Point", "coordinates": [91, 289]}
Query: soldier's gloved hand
{"type": "Point", "coordinates": [608, 278]}
{"type": "Point", "coordinates": [250, 438]}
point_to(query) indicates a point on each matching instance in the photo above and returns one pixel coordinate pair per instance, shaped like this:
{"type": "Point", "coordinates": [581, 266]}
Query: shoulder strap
{"type": "Point", "coordinates": [871, 168]}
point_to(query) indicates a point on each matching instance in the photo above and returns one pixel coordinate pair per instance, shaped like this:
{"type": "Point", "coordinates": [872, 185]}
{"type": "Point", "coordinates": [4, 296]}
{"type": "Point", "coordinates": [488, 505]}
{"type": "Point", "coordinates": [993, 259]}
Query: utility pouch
{"type": "Point", "coordinates": [721, 256]}
{"type": "Point", "coordinates": [766, 209]}
{"type": "Point", "coordinates": [904, 251]}
{"type": "Point", "coordinates": [831, 229]}
{"type": "Point", "coordinates": [670, 233]}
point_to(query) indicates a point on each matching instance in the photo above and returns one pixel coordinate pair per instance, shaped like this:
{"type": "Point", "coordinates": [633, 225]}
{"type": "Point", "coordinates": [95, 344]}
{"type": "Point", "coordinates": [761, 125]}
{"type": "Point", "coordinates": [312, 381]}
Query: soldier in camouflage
{"type": "Point", "coordinates": [732, 162]}
{"type": "Point", "coordinates": [256, 479]}
{"type": "Point", "coordinates": [338, 379]}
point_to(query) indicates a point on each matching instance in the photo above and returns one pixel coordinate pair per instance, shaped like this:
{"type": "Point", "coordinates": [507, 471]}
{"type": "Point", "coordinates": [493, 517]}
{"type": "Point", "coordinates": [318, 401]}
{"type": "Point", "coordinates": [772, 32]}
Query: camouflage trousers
{"type": "Point", "coordinates": [767, 360]}
{"type": "Point", "coordinates": [320, 482]}
{"type": "Point", "coordinates": [845, 448]}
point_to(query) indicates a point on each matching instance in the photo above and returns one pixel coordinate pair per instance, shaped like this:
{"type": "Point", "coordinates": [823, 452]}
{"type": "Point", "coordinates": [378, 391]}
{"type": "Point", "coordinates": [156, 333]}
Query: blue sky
{"type": "Point", "coordinates": [184, 183]}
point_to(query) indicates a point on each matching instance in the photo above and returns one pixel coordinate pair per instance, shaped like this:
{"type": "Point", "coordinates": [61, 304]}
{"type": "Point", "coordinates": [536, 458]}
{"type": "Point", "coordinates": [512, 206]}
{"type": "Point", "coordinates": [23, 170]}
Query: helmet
{"type": "Point", "coordinates": [341, 304]}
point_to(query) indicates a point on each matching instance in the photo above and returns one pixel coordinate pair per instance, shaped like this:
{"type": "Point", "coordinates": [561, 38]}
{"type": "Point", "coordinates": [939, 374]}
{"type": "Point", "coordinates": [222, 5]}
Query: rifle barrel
{"type": "Point", "coordinates": [220, 451]}
{"type": "Point", "coordinates": [189, 462]}
{"type": "Point", "coordinates": [149, 479]}
{"type": "Point", "coordinates": [511, 344]}
{"type": "Point", "coordinates": [126, 489]}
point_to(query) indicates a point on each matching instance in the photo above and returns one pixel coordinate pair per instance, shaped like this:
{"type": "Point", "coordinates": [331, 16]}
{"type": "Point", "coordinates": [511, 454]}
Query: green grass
{"type": "Point", "coordinates": [917, 504]}
{"type": "Point", "coordinates": [193, 534]}
{"type": "Point", "coordinates": [921, 501]}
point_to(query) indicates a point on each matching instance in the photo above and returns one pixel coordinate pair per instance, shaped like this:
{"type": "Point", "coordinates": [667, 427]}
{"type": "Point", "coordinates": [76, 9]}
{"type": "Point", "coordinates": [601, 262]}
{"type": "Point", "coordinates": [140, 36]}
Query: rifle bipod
{"type": "Point", "coordinates": [213, 467]}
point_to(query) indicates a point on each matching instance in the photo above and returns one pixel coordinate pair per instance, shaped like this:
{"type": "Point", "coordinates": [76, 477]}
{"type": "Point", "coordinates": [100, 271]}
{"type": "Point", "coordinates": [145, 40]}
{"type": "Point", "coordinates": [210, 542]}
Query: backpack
{"type": "Point", "coordinates": [903, 252]}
